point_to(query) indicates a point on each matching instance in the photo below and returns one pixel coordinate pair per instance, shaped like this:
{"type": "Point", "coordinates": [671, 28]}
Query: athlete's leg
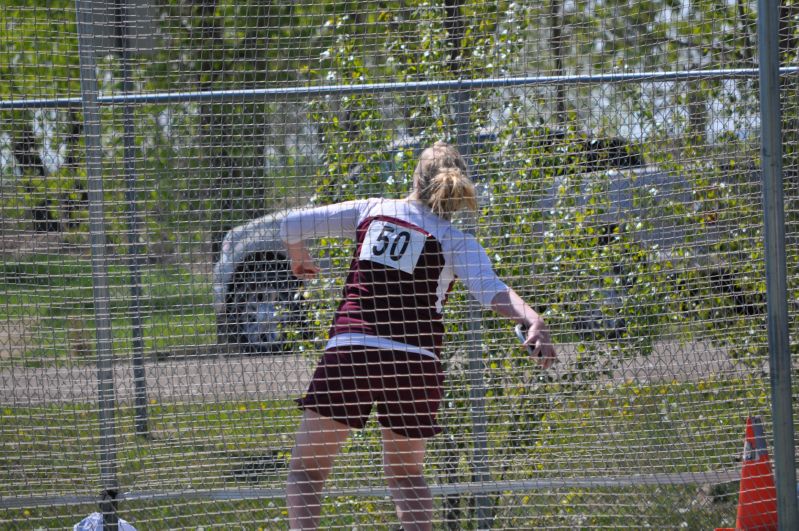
{"type": "Point", "coordinates": [317, 444]}
{"type": "Point", "coordinates": [403, 463]}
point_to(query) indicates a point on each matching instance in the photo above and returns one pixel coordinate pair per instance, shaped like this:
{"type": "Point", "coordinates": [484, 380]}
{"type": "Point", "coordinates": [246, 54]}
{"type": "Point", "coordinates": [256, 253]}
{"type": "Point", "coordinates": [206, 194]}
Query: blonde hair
{"type": "Point", "coordinates": [441, 181]}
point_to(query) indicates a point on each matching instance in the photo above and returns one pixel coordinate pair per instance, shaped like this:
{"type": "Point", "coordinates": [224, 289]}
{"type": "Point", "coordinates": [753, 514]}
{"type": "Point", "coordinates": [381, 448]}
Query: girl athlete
{"type": "Point", "coordinates": [387, 333]}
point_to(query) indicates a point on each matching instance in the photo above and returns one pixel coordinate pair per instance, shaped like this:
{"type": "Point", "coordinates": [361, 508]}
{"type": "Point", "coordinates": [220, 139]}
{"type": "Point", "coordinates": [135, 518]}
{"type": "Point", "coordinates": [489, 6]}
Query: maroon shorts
{"type": "Point", "coordinates": [405, 386]}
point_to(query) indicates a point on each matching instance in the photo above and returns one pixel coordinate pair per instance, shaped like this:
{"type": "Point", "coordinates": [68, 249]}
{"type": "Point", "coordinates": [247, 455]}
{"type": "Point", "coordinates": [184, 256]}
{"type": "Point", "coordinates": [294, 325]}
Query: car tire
{"type": "Point", "coordinates": [262, 305]}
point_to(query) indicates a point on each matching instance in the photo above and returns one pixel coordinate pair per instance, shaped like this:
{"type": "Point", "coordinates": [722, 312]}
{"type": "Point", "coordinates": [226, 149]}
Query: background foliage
{"type": "Point", "coordinates": [547, 158]}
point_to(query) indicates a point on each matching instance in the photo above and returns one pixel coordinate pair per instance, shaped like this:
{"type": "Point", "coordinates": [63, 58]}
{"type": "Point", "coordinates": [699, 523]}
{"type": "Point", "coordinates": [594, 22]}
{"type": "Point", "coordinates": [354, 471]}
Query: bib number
{"type": "Point", "coordinates": [392, 245]}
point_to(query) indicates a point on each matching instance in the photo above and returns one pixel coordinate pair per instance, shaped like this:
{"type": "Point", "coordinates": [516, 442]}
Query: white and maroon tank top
{"type": "Point", "coordinates": [405, 262]}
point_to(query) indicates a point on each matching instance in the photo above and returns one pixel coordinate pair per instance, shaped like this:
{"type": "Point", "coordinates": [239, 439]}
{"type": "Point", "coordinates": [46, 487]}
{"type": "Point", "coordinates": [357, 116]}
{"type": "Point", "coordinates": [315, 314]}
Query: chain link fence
{"type": "Point", "coordinates": [631, 160]}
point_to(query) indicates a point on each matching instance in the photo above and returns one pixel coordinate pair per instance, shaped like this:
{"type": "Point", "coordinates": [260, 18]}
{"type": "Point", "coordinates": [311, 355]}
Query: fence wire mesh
{"type": "Point", "coordinates": [153, 339]}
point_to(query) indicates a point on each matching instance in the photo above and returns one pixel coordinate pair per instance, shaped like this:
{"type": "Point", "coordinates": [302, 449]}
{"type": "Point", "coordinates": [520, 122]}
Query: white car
{"type": "Point", "coordinates": [256, 297]}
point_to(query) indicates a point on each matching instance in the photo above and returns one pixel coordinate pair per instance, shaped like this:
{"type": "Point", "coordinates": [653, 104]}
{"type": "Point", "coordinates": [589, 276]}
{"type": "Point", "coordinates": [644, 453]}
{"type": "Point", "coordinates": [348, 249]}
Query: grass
{"type": "Point", "coordinates": [608, 431]}
{"type": "Point", "coordinates": [54, 294]}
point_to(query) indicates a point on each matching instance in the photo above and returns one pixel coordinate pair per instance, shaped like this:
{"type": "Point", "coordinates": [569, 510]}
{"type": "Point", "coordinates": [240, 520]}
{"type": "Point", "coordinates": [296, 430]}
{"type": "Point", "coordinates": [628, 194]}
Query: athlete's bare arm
{"type": "Point", "coordinates": [335, 220]}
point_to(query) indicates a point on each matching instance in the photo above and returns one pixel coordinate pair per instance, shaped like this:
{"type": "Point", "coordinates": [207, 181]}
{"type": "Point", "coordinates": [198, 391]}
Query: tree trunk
{"type": "Point", "coordinates": [30, 164]}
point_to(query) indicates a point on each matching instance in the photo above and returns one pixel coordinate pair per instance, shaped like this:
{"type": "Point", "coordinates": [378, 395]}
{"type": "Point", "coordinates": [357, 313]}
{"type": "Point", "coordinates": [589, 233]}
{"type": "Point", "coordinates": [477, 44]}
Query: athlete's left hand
{"type": "Point", "coordinates": [540, 341]}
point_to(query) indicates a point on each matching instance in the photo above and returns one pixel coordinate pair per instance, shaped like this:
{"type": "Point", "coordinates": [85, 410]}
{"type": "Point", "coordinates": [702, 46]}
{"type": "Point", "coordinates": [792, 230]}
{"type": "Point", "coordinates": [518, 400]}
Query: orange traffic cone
{"type": "Point", "coordinates": [757, 498]}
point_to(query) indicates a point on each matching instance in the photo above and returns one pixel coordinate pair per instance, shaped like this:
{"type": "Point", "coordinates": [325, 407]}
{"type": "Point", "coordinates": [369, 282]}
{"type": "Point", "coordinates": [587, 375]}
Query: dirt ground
{"type": "Point", "coordinates": [211, 379]}
{"type": "Point", "coordinates": [15, 335]}
{"type": "Point", "coordinates": [215, 379]}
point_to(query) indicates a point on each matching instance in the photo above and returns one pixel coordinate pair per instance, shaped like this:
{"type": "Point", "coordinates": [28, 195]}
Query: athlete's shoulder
{"type": "Point", "coordinates": [380, 206]}
{"type": "Point", "coordinates": [393, 208]}
{"type": "Point", "coordinates": [360, 209]}
{"type": "Point", "coordinates": [456, 240]}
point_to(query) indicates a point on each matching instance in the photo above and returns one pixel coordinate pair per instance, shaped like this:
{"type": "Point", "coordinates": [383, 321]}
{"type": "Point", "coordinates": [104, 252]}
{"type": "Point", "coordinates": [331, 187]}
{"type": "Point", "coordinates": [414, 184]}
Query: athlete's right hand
{"type": "Point", "coordinates": [302, 265]}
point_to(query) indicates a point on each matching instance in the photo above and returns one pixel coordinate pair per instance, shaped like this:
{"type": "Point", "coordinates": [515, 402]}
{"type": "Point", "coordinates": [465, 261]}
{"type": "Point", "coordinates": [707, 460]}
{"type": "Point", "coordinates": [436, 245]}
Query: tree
{"type": "Point", "coordinates": [47, 192]}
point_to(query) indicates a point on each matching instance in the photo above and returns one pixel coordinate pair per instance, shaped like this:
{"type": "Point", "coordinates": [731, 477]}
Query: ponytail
{"type": "Point", "coordinates": [441, 182]}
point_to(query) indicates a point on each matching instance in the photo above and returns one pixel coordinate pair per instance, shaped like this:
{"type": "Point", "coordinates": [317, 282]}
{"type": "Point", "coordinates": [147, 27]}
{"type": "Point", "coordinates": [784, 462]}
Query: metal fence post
{"type": "Point", "coordinates": [477, 391]}
{"type": "Point", "coordinates": [101, 296]}
{"type": "Point", "coordinates": [134, 227]}
{"type": "Point", "coordinates": [776, 264]}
